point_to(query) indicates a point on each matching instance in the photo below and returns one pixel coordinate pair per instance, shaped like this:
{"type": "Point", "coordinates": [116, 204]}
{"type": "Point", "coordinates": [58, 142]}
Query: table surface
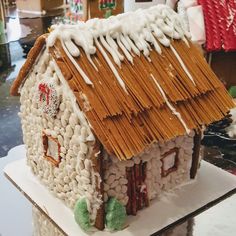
{"type": "Point", "coordinates": [211, 185]}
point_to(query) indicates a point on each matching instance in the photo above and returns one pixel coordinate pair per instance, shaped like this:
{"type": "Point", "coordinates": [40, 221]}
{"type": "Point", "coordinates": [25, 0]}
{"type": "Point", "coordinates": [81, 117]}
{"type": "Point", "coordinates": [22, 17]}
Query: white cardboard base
{"type": "Point", "coordinates": [211, 184]}
{"type": "Point", "coordinates": [15, 209]}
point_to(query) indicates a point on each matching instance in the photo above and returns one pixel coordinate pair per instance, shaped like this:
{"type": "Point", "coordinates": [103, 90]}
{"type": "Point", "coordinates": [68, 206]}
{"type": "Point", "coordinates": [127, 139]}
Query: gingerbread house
{"type": "Point", "coordinates": [112, 111]}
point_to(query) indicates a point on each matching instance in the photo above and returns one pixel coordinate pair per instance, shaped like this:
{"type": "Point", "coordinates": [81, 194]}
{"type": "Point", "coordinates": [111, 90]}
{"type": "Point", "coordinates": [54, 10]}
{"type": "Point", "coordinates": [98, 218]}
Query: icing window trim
{"type": "Point", "coordinates": [164, 172]}
{"type": "Point", "coordinates": [51, 159]}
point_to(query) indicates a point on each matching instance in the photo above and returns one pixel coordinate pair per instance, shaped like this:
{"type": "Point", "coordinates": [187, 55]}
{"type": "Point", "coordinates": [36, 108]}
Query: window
{"type": "Point", "coordinates": [169, 162]}
{"type": "Point", "coordinates": [51, 149]}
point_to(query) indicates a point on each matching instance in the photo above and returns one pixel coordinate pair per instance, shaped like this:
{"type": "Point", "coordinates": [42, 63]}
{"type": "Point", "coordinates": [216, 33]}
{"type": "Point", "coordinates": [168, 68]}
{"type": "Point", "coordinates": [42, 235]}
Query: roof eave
{"type": "Point", "coordinates": [30, 61]}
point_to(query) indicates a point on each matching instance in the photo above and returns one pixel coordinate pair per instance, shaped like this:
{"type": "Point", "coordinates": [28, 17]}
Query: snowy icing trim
{"type": "Point", "coordinates": [177, 114]}
{"type": "Point", "coordinates": [145, 27]}
{"type": "Point", "coordinates": [182, 64]}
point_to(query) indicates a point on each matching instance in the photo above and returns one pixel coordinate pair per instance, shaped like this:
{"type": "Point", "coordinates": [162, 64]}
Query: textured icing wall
{"type": "Point", "coordinates": [155, 182]}
{"type": "Point", "coordinates": [74, 177]}
{"type": "Point", "coordinates": [115, 181]}
{"type": "Point", "coordinates": [42, 226]}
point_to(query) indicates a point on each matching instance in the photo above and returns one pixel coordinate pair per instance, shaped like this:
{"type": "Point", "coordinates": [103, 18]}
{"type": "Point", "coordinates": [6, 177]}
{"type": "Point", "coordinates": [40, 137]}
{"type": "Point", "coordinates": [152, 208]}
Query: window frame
{"type": "Point", "coordinates": [51, 159]}
{"type": "Point", "coordinates": [165, 173]}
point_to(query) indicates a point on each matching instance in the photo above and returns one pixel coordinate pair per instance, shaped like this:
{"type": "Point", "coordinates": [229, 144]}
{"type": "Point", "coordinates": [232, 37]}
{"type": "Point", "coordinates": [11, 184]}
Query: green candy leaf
{"type": "Point", "coordinates": [81, 214]}
{"type": "Point", "coordinates": [232, 91]}
{"type": "Point", "coordinates": [115, 214]}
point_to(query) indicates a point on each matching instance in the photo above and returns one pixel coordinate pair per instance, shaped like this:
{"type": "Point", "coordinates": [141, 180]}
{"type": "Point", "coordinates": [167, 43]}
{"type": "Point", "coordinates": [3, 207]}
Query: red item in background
{"type": "Point", "coordinates": [220, 24]}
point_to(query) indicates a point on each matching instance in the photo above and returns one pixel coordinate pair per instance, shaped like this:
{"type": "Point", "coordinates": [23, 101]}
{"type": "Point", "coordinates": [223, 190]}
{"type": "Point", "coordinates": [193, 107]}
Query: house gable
{"type": "Point", "coordinates": [32, 57]}
{"type": "Point", "coordinates": [61, 149]}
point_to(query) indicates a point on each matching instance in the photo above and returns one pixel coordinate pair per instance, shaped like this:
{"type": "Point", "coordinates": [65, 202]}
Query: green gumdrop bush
{"type": "Point", "coordinates": [81, 214]}
{"type": "Point", "coordinates": [232, 91]}
{"type": "Point", "coordinates": [115, 214]}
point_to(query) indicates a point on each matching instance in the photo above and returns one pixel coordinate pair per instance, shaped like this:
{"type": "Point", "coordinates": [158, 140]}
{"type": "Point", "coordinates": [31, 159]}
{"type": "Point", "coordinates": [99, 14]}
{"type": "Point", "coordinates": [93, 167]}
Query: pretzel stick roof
{"type": "Point", "coordinates": [137, 85]}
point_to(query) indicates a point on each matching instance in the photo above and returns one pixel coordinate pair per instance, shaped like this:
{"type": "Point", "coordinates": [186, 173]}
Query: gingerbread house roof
{"type": "Point", "coordinates": [220, 24]}
{"type": "Point", "coordinates": [137, 78]}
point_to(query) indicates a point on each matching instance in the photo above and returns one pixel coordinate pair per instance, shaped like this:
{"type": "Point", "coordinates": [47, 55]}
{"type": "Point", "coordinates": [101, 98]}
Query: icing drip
{"type": "Point", "coordinates": [122, 36]}
{"type": "Point", "coordinates": [126, 44]}
{"type": "Point", "coordinates": [122, 84]}
{"type": "Point", "coordinates": [131, 44]}
{"type": "Point", "coordinates": [177, 114]}
{"type": "Point", "coordinates": [113, 45]}
{"type": "Point", "coordinates": [125, 51]}
{"type": "Point", "coordinates": [110, 50]}
{"type": "Point", "coordinates": [85, 77]}
{"type": "Point", "coordinates": [183, 65]}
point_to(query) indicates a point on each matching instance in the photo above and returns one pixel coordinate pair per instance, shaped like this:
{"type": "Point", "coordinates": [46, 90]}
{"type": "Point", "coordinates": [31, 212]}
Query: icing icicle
{"type": "Point", "coordinates": [120, 81]}
{"type": "Point", "coordinates": [177, 114]}
{"type": "Point", "coordinates": [85, 77]}
{"type": "Point", "coordinates": [125, 51]}
{"type": "Point", "coordinates": [182, 64]}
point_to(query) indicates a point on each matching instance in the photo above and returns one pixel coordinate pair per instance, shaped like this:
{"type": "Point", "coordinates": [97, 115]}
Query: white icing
{"type": "Point", "coordinates": [182, 64]}
{"type": "Point", "coordinates": [231, 130]}
{"type": "Point", "coordinates": [120, 81]}
{"type": "Point", "coordinates": [68, 53]}
{"type": "Point", "coordinates": [177, 114]}
{"type": "Point", "coordinates": [122, 36]}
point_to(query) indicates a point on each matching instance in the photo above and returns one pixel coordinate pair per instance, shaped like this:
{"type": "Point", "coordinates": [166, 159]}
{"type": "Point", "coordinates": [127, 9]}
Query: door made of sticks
{"type": "Point", "coordinates": [137, 189]}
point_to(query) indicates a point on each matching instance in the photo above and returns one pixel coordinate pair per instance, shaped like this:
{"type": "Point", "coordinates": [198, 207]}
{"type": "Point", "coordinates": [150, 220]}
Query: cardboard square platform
{"type": "Point", "coordinates": [212, 185]}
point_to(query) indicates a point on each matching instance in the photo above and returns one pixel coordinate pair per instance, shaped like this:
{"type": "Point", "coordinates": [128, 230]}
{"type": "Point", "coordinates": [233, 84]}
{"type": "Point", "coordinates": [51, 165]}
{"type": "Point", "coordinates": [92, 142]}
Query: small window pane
{"type": "Point", "coordinates": [169, 162]}
{"type": "Point", "coordinates": [51, 149]}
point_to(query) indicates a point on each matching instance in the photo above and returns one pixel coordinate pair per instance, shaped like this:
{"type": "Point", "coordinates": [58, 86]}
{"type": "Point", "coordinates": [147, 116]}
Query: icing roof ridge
{"type": "Point", "coordinates": [160, 19]}
{"type": "Point", "coordinates": [122, 36]}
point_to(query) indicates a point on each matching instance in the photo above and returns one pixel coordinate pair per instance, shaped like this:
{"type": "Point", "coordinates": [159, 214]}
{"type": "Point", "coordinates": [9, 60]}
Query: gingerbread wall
{"type": "Point", "coordinates": [73, 177]}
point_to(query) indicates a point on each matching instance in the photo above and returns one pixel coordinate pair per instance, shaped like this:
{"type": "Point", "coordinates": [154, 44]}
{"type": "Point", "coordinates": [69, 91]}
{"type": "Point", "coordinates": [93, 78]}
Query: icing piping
{"type": "Point", "coordinates": [131, 44]}
{"type": "Point", "coordinates": [112, 44]}
{"type": "Point", "coordinates": [125, 51]}
{"type": "Point", "coordinates": [123, 40]}
{"type": "Point", "coordinates": [177, 114]}
{"type": "Point", "coordinates": [84, 76]}
{"type": "Point", "coordinates": [182, 64]}
{"type": "Point", "coordinates": [111, 50]}
{"type": "Point", "coordinates": [121, 82]}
